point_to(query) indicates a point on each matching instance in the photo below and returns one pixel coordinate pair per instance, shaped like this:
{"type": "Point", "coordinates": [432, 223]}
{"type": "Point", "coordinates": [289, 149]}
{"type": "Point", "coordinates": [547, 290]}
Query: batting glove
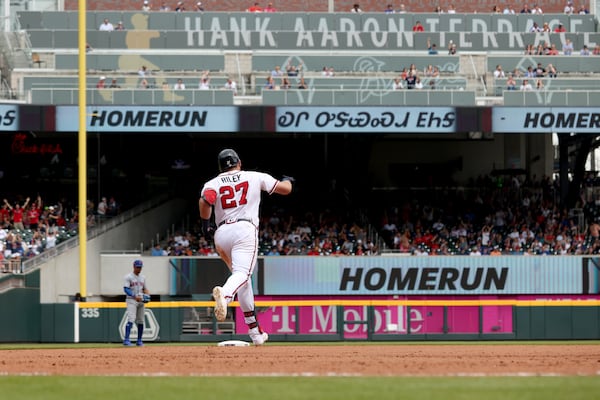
{"type": "Point", "coordinates": [207, 230]}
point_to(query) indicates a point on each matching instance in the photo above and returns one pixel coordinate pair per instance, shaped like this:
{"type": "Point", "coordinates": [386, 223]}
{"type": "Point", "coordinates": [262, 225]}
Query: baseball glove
{"type": "Point", "coordinates": [145, 298]}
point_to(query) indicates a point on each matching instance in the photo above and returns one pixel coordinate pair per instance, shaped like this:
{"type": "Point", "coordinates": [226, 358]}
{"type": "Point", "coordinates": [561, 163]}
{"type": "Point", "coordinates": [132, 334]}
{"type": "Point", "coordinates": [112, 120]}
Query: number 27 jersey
{"type": "Point", "coordinates": [237, 194]}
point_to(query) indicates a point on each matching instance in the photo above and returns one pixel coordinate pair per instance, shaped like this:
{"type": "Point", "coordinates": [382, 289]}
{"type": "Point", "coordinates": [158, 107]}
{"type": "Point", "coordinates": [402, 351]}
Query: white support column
{"type": "Point", "coordinates": [76, 323]}
{"type": "Point", "coordinates": [6, 15]}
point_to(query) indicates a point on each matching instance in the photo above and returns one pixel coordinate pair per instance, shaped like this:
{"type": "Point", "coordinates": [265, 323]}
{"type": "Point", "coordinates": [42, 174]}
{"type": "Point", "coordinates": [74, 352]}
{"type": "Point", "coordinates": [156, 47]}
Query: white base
{"type": "Point", "coordinates": [234, 343]}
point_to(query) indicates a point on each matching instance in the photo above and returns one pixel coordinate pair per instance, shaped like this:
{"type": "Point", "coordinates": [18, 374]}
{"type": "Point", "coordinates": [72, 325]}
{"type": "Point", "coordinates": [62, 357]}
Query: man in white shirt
{"type": "Point", "coordinates": [231, 85]}
{"type": "Point", "coordinates": [106, 26]}
{"type": "Point", "coordinates": [499, 72]}
{"type": "Point", "coordinates": [102, 207]}
{"type": "Point", "coordinates": [204, 83]}
{"type": "Point", "coordinates": [526, 85]}
{"type": "Point", "coordinates": [179, 85]}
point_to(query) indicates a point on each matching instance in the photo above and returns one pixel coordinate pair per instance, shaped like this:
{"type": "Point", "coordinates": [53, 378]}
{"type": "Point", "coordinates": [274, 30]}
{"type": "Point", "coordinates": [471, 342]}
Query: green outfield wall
{"type": "Point", "coordinates": [367, 313]}
{"type": "Point", "coordinates": [104, 323]}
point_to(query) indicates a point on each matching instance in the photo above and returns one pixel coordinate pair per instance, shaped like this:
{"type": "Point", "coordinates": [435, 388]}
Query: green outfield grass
{"type": "Point", "coordinates": [291, 388]}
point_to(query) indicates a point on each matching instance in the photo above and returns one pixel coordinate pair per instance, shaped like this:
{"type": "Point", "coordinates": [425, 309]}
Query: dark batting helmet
{"type": "Point", "coordinates": [138, 263]}
{"type": "Point", "coordinates": [228, 159]}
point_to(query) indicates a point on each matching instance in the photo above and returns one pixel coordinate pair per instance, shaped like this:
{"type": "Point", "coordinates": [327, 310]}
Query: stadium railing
{"type": "Point", "coordinates": [132, 62]}
{"type": "Point", "coordinates": [325, 97]}
{"type": "Point", "coordinates": [358, 63]}
{"type": "Point", "coordinates": [556, 98]}
{"type": "Point", "coordinates": [61, 96]}
{"type": "Point", "coordinates": [552, 84]}
{"type": "Point", "coordinates": [575, 64]}
{"type": "Point", "coordinates": [125, 81]}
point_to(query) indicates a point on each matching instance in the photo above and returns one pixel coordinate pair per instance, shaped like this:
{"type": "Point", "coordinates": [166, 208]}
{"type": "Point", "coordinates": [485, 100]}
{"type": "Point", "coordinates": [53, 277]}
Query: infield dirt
{"type": "Point", "coordinates": [320, 360]}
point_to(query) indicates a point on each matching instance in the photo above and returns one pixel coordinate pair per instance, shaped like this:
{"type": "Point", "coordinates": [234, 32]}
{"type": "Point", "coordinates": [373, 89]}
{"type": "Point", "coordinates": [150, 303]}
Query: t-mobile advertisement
{"type": "Point", "coordinates": [392, 319]}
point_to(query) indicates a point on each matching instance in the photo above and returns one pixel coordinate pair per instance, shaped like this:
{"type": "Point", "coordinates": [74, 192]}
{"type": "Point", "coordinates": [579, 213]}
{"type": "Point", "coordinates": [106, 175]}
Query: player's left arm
{"type": "Point", "coordinates": [272, 185]}
{"type": "Point", "coordinates": [284, 186]}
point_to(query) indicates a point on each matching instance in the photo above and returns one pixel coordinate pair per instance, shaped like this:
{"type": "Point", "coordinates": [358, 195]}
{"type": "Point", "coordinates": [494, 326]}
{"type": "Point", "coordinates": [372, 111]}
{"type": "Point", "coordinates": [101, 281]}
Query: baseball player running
{"type": "Point", "coordinates": [136, 299]}
{"type": "Point", "coordinates": [235, 196]}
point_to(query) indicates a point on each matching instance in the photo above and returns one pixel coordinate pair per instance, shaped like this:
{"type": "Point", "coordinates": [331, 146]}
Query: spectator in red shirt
{"type": "Point", "coordinates": [17, 214]}
{"type": "Point", "coordinates": [270, 8]}
{"type": "Point", "coordinates": [553, 50]}
{"type": "Point", "coordinates": [101, 84]}
{"type": "Point", "coordinates": [314, 251]}
{"type": "Point", "coordinates": [560, 28]}
{"type": "Point", "coordinates": [255, 8]}
{"type": "Point", "coordinates": [4, 215]}
{"type": "Point", "coordinates": [34, 212]}
{"type": "Point", "coordinates": [418, 27]}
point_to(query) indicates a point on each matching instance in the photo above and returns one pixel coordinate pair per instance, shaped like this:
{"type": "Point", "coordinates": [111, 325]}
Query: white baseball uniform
{"type": "Point", "coordinates": [236, 197]}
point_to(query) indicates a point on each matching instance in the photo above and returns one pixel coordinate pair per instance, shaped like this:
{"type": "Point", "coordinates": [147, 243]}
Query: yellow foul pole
{"type": "Point", "coordinates": [82, 152]}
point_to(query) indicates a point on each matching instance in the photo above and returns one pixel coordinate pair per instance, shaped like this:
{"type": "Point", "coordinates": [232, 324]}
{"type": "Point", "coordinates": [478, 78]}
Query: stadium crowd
{"type": "Point", "coordinates": [28, 227]}
{"type": "Point", "coordinates": [489, 216]}
{"type": "Point", "coordinates": [496, 217]}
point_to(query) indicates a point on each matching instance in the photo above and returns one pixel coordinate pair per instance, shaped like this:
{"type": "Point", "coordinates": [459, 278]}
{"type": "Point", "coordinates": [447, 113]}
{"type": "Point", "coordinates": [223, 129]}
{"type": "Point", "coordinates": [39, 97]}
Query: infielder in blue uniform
{"type": "Point", "coordinates": [137, 297]}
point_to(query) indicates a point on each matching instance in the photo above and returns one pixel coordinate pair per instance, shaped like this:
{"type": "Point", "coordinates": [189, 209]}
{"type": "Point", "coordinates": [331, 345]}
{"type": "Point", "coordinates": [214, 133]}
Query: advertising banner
{"type": "Point", "coordinates": [9, 118]}
{"type": "Point", "coordinates": [366, 119]}
{"type": "Point", "coordinates": [322, 320]}
{"type": "Point", "coordinates": [391, 319]}
{"type": "Point", "coordinates": [149, 119]}
{"type": "Point", "coordinates": [455, 275]}
{"type": "Point", "coordinates": [545, 120]}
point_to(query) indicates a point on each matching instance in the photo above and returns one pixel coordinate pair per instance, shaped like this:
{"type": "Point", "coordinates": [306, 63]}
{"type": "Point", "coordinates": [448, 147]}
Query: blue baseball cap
{"type": "Point", "coordinates": [138, 263]}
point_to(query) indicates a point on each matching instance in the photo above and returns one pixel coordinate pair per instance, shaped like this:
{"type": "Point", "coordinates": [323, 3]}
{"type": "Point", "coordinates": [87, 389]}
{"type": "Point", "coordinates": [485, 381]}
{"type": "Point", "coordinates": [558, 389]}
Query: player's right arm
{"type": "Point", "coordinates": [127, 288]}
{"type": "Point", "coordinates": [208, 197]}
{"type": "Point", "coordinates": [205, 208]}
